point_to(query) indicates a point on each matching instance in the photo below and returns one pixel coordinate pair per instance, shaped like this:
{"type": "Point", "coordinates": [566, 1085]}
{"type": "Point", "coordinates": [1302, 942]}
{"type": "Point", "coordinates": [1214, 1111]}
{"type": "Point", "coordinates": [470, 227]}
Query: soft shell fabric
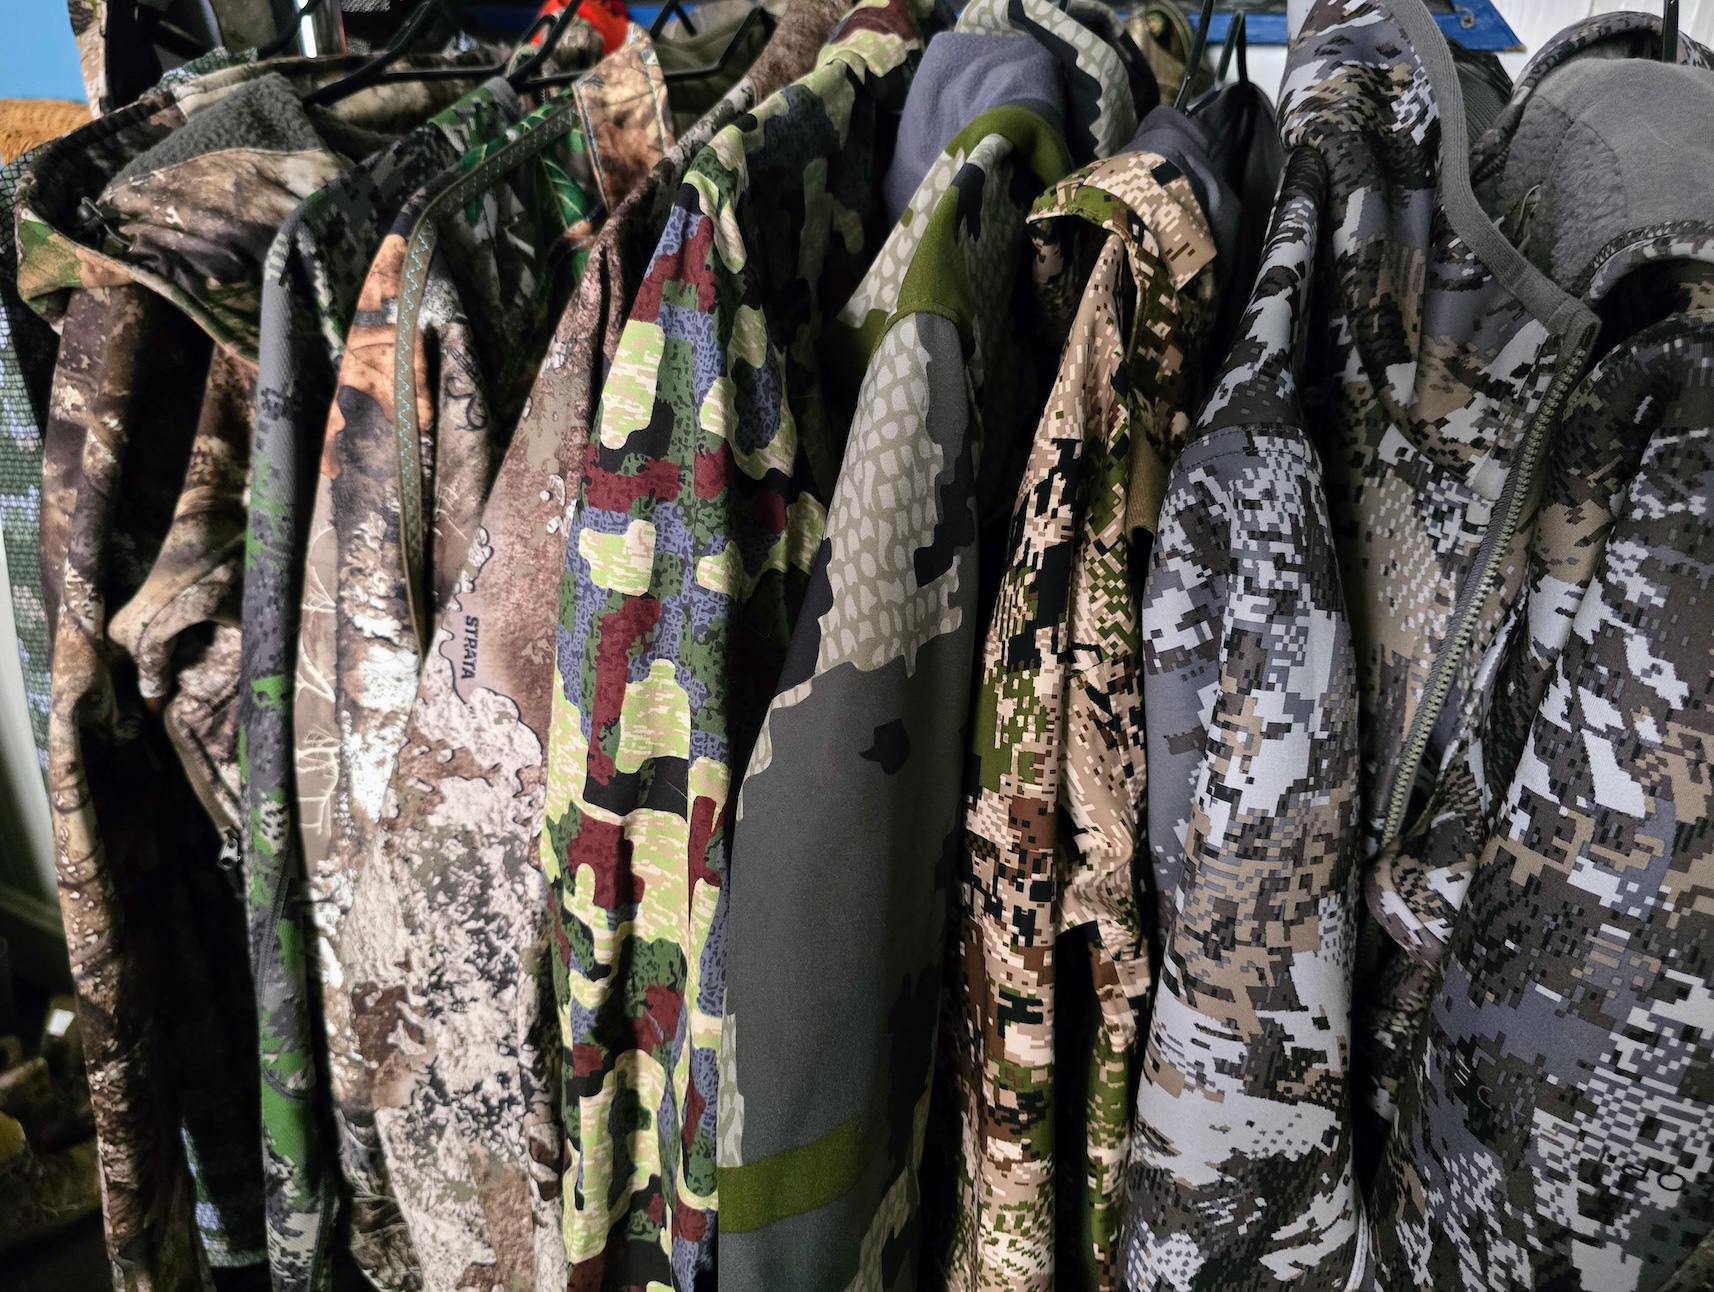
{"type": "Point", "coordinates": [1241, 1172]}
{"type": "Point", "coordinates": [697, 519]}
{"type": "Point", "coordinates": [833, 968]}
{"type": "Point", "coordinates": [452, 901]}
{"type": "Point", "coordinates": [144, 459]}
{"type": "Point", "coordinates": [1535, 1030]}
{"type": "Point", "coordinates": [310, 284]}
{"type": "Point", "coordinates": [453, 317]}
{"type": "Point", "coordinates": [1486, 1073]}
{"type": "Point", "coordinates": [1052, 817]}
{"type": "Point", "coordinates": [963, 74]}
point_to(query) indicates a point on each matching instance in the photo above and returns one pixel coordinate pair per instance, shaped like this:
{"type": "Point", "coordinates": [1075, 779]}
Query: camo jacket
{"type": "Point", "coordinates": [139, 558]}
{"type": "Point", "coordinates": [28, 348]}
{"type": "Point", "coordinates": [1240, 1171]}
{"type": "Point", "coordinates": [1057, 735]}
{"type": "Point", "coordinates": [697, 519]}
{"type": "Point", "coordinates": [454, 314]}
{"type": "Point", "coordinates": [310, 284]}
{"type": "Point", "coordinates": [1536, 1034]}
{"type": "Point", "coordinates": [1512, 1017]}
{"type": "Point", "coordinates": [453, 897]}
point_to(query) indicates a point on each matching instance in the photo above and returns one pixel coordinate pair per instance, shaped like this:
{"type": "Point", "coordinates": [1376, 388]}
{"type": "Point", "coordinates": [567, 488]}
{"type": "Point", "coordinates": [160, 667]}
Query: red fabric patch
{"type": "Point", "coordinates": [713, 471]}
{"type": "Point", "coordinates": [627, 624]}
{"type": "Point", "coordinates": [689, 266]}
{"type": "Point", "coordinates": [587, 1060]}
{"type": "Point", "coordinates": [769, 509]}
{"type": "Point", "coordinates": [603, 847]}
{"type": "Point", "coordinates": [614, 492]}
{"type": "Point", "coordinates": [702, 824]}
{"type": "Point", "coordinates": [659, 1021]}
{"type": "Point", "coordinates": [689, 1223]}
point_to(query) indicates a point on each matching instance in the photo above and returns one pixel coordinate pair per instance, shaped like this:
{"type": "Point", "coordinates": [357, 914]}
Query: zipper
{"type": "Point", "coordinates": [1498, 539]}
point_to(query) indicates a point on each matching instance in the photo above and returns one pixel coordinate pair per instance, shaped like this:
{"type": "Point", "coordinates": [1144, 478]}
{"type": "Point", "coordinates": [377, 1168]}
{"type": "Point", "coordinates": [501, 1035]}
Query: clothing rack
{"type": "Point", "coordinates": [1016, 645]}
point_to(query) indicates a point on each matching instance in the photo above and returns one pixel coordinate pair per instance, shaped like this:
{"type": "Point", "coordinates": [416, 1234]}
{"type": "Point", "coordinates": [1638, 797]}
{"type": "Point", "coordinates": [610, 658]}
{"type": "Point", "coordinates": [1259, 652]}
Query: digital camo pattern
{"type": "Point", "coordinates": [1555, 1130]}
{"type": "Point", "coordinates": [310, 283]}
{"type": "Point", "coordinates": [1241, 1172]}
{"type": "Point", "coordinates": [455, 311]}
{"type": "Point", "coordinates": [1415, 892]}
{"type": "Point", "coordinates": [1434, 373]}
{"type": "Point", "coordinates": [1058, 733]}
{"type": "Point", "coordinates": [695, 527]}
{"type": "Point", "coordinates": [833, 968]}
{"type": "Point", "coordinates": [28, 348]}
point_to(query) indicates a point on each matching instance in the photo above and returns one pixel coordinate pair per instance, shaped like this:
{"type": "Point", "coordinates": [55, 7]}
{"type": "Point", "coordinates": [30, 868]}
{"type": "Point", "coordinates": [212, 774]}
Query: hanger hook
{"type": "Point", "coordinates": [1198, 43]}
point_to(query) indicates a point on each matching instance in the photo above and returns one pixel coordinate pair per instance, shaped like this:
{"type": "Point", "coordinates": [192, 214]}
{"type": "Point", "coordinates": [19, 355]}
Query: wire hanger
{"type": "Point", "coordinates": [1669, 32]}
{"type": "Point", "coordinates": [374, 71]}
{"type": "Point", "coordinates": [371, 72]}
{"type": "Point", "coordinates": [758, 16]}
{"type": "Point", "coordinates": [1198, 43]}
{"type": "Point", "coordinates": [288, 32]}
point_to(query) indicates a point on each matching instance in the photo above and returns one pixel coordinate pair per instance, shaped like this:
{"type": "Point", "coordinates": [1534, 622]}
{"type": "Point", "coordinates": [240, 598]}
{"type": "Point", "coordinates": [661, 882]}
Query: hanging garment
{"type": "Point", "coordinates": [1240, 1173]}
{"type": "Point", "coordinates": [28, 349]}
{"type": "Point", "coordinates": [1545, 1008]}
{"type": "Point", "coordinates": [142, 237]}
{"type": "Point", "coordinates": [452, 902]}
{"type": "Point", "coordinates": [833, 969]}
{"type": "Point", "coordinates": [310, 284]}
{"type": "Point", "coordinates": [1057, 736]}
{"type": "Point", "coordinates": [453, 317]}
{"type": "Point", "coordinates": [695, 526]}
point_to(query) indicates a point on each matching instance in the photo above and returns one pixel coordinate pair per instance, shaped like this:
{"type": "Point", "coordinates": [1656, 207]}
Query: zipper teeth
{"type": "Point", "coordinates": [1440, 682]}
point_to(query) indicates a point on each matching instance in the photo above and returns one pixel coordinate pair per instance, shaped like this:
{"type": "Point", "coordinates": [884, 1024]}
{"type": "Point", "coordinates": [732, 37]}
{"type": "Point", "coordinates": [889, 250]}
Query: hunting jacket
{"type": "Point", "coordinates": [846, 827]}
{"type": "Point", "coordinates": [452, 899]}
{"type": "Point", "coordinates": [1240, 1172]}
{"type": "Point", "coordinates": [310, 284]}
{"type": "Point", "coordinates": [28, 348]}
{"type": "Point", "coordinates": [1490, 995]}
{"type": "Point", "coordinates": [696, 523]}
{"type": "Point", "coordinates": [455, 313]}
{"type": "Point", "coordinates": [142, 237]}
{"type": "Point", "coordinates": [1052, 818]}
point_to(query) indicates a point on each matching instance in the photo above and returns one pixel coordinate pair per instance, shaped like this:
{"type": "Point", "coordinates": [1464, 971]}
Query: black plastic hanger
{"type": "Point", "coordinates": [670, 8]}
{"type": "Point", "coordinates": [1669, 32]}
{"type": "Point", "coordinates": [757, 15]}
{"type": "Point", "coordinates": [157, 29]}
{"type": "Point", "coordinates": [1236, 40]}
{"type": "Point", "coordinates": [375, 71]}
{"type": "Point", "coordinates": [1198, 43]}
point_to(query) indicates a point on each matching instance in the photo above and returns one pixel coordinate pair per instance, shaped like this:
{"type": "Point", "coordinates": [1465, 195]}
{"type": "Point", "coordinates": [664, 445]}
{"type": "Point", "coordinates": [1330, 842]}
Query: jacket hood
{"type": "Point", "coordinates": [1067, 65]}
{"type": "Point", "coordinates": [1607, 153]}
{"type": "Point", "coordinates": [964, 74]}
{"type": "Point", "coordinates": [126, 199]}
